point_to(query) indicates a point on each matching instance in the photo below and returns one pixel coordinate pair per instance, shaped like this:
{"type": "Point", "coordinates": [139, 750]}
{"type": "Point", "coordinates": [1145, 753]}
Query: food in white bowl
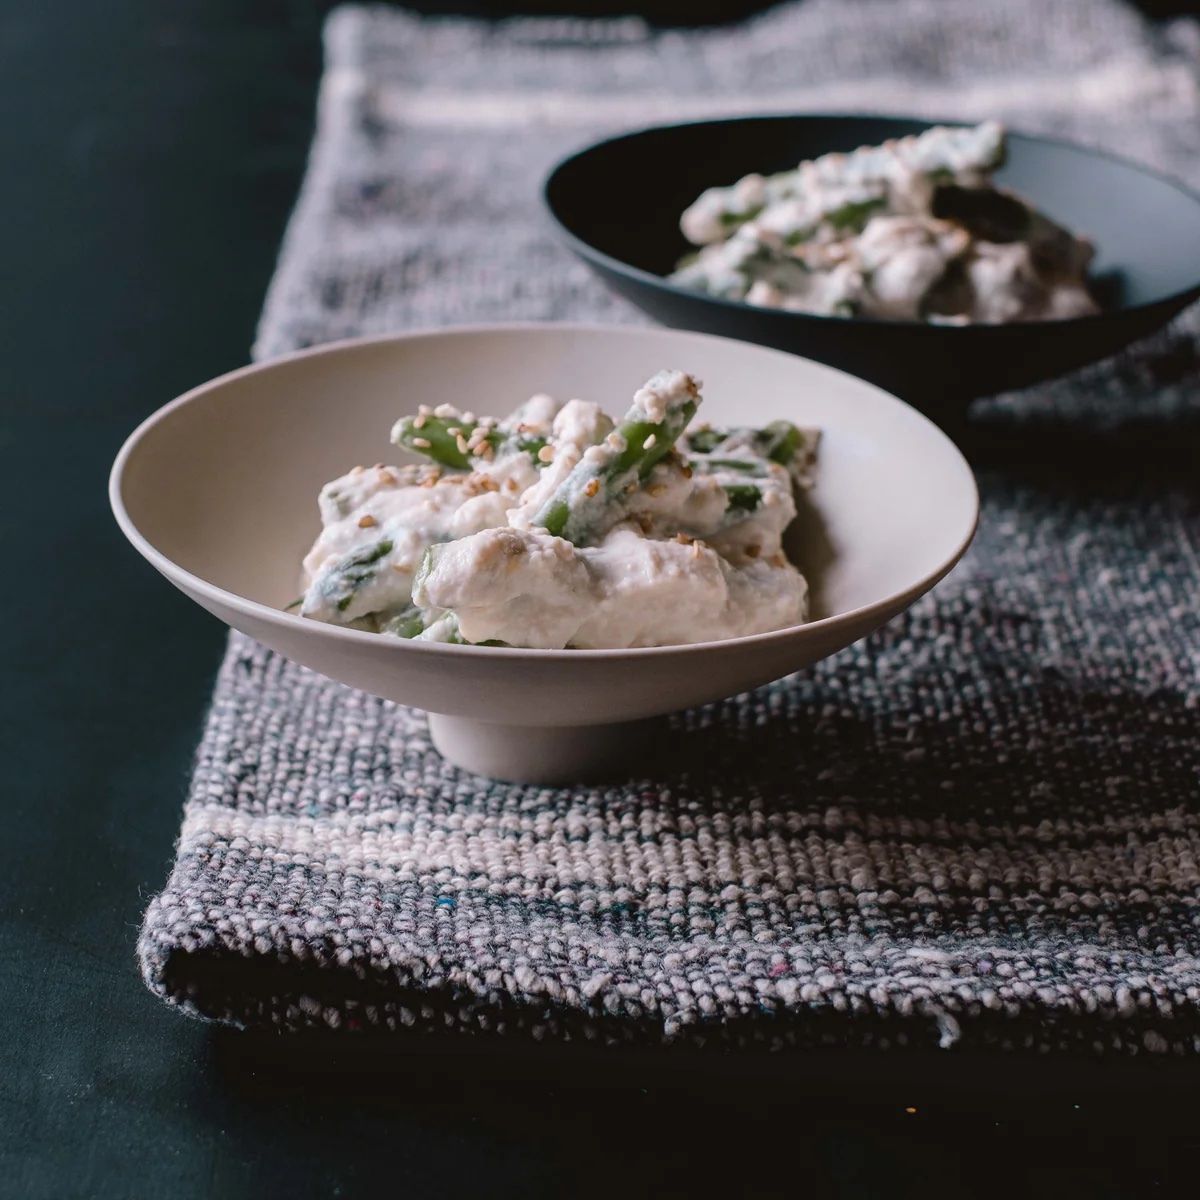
{"type": "Point", "coordinates": [555, 527]}
{"type": "Point", "coordinates": [912, 230]}
{"type": "Point", "coordinates": [212, 489]}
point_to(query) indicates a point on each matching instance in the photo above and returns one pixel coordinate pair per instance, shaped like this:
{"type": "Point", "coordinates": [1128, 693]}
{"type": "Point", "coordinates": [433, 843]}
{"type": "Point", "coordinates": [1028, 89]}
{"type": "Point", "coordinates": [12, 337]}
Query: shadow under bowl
{"type": "Point", "coordinates": [617, 204]}
{"type": "Point", "coordinates": [218, 491]}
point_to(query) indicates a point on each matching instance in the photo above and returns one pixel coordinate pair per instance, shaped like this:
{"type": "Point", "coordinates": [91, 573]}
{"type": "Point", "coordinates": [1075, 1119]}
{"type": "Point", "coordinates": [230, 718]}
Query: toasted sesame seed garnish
{"type": "Point", "coordinates": [421, 443]}
{"type": "Point", "coordinates": [423, 410]}
{"type": "Point", "coordinates": [386, 476]}
{"type": "Point", "coordinates": [546, 454]}
{"type": "Point", "coordinates": [488, 483]}
{"type": "Point", "coordinates": [468, 418]}
{"type": "Point", "coordinates": [366, 521]}
{"type": "Point", "coordinates": [683, 539]}
{"type": "Point", "coordinates": [511, 485]}
{"type": "Point", "coordinates": [444, 411]}
{"type": "Point", "coordinates": [419, 420]}
{"type": "Point", "coordinates": [650, 442]}
{"type": "Point", "coordinates": [358, 470]}
{"type": "Point", "coordinates": [461, 443]}
{"type": "Point", "coordinates": [615, 441]}
{"type": "Point", "coordinates": [377, 467]}
{"type": "Point", "coordinates": [656, 489]}
{"type": "Point", "coordinates": [591, 487]}
{"type": "Point", "coordinates": [697, 549]}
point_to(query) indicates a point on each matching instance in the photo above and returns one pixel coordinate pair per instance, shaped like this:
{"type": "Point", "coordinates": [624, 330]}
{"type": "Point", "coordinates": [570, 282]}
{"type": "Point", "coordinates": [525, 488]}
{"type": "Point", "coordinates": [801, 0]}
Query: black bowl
{"type": "Point", "coordinates": [618, 204]}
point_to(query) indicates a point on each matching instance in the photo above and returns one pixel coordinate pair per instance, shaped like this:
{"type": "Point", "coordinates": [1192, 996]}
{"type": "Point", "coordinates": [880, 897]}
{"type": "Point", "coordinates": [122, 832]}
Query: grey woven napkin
{"type": "Point", "coordinates": [981, 825]}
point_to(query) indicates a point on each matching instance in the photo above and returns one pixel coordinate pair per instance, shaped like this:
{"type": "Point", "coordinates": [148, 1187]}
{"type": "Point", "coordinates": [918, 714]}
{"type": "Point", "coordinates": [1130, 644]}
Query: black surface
{"type": "Point", "coordinates": [1145, 270]}
{"type": "Point", "coordinates": [152, 152]}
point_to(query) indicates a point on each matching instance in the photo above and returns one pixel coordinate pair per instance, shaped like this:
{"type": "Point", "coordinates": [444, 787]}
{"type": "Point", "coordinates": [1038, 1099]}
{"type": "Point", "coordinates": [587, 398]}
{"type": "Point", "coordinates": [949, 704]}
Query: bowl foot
{"type": "Point", "coordinates": [541, 755]}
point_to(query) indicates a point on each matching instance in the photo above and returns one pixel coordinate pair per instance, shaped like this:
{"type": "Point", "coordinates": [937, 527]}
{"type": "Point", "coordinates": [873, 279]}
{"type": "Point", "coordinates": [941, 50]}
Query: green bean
{"type": "Point", "coordinates": [778, 442]}
{"type": "Point", "coordinates": [742, 497]}
{"type": "Point", "coordinates": [405, 624]}
{"type": "Point", "coordinates": [455, 443]}
{"type": "Point", "coordinates": [446, 440]}
{"type": "Point", "coordinates": [577, 509]}
{"type": "Point", "coordinates": [449, 634]}
{"type": "Point", "coordinates": [340, 583]}
{"type": "Point", "coordinates": [730, 269]}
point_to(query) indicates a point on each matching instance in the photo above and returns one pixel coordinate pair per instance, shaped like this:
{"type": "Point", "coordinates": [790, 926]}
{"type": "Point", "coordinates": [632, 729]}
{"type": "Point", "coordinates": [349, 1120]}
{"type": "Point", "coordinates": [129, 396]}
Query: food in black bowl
{"type": "Point", "coordinates": [1011, 258]}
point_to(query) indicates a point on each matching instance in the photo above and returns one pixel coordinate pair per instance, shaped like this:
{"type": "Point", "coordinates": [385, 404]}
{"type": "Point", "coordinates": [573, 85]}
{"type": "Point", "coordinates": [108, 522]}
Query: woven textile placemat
{"type": "Point", "coordinates": [980, 826]}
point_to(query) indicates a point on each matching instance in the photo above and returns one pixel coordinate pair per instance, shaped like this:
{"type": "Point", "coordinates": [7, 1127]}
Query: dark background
{"type": "Point", "coordinates": [152, 152]}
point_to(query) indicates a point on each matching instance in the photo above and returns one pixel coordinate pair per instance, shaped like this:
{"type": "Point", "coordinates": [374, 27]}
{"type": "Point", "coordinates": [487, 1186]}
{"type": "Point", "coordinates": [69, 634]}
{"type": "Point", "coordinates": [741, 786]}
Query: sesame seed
{"type": "Point", "coordinates": [422, 443]}
{"type": "Point", "coordinates": [461, 443]}
{"type": "Point", "coordinates": [358, 470]}
{"type": "Point", "coordinates": [511, 485]}
{"type": "Point", "coordinates": [419, 421]}
{"type": "Point", "coordinates": [650, 442]}
{"type": "Point", "coordinates": [389, 478]}
{"type": "Point", "coordinates": [366, 521]}
{"type": "Point", "coordinates": [592, 487]}
{"type": "Point", "coordinates": [546, 454]}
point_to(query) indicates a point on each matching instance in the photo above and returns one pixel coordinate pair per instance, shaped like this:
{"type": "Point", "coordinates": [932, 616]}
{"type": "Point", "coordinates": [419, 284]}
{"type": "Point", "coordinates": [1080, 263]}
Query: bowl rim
{"type": "Point", "coordinates": [587, 251]}
{"type": "Point", "coordinates": [882, 608]}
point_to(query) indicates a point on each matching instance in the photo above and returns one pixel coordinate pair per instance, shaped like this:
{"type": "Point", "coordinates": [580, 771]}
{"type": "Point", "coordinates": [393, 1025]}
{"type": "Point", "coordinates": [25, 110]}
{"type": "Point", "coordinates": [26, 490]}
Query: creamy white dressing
{"type": "Point", "coordinates": [524, 587]}
{"type": "Point", "coordinates": [689, 549]}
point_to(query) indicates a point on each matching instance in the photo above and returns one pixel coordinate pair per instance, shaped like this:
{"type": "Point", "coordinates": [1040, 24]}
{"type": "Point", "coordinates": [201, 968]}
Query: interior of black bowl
{"type": "Point", "coordinates": [624, 197]}
{"type": "Point", "coordinates": [619, 202]}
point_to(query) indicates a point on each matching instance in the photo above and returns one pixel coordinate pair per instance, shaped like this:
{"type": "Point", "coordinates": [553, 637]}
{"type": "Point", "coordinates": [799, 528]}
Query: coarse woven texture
{"type": "Point", "coordinates": [979, 826]}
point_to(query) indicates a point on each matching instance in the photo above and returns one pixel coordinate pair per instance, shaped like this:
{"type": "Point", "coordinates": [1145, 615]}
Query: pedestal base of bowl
{"type": "Point", "coordinates": [541, 755]}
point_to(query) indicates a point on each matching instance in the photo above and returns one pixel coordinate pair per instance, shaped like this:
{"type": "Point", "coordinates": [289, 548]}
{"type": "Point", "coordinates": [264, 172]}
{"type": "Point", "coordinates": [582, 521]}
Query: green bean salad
{"type": "Point", "coordinates": [557, 528]}
{"type": "Point", "coordinates": [912, 230]}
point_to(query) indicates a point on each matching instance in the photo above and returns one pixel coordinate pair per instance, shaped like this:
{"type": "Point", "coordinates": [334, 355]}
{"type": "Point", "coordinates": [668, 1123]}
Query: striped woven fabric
{"type": "Point", "coordinates": [980, 826]}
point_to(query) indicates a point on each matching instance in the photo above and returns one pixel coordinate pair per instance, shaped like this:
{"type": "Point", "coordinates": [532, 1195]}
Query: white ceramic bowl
{"type": "Point", "coordinates": [218, 491]}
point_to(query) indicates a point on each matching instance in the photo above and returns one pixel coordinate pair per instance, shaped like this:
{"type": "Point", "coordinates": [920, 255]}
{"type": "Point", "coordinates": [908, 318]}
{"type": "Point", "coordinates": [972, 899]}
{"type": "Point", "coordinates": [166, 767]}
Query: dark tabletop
{"type": "Point", "coordinates": [152, 154]}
